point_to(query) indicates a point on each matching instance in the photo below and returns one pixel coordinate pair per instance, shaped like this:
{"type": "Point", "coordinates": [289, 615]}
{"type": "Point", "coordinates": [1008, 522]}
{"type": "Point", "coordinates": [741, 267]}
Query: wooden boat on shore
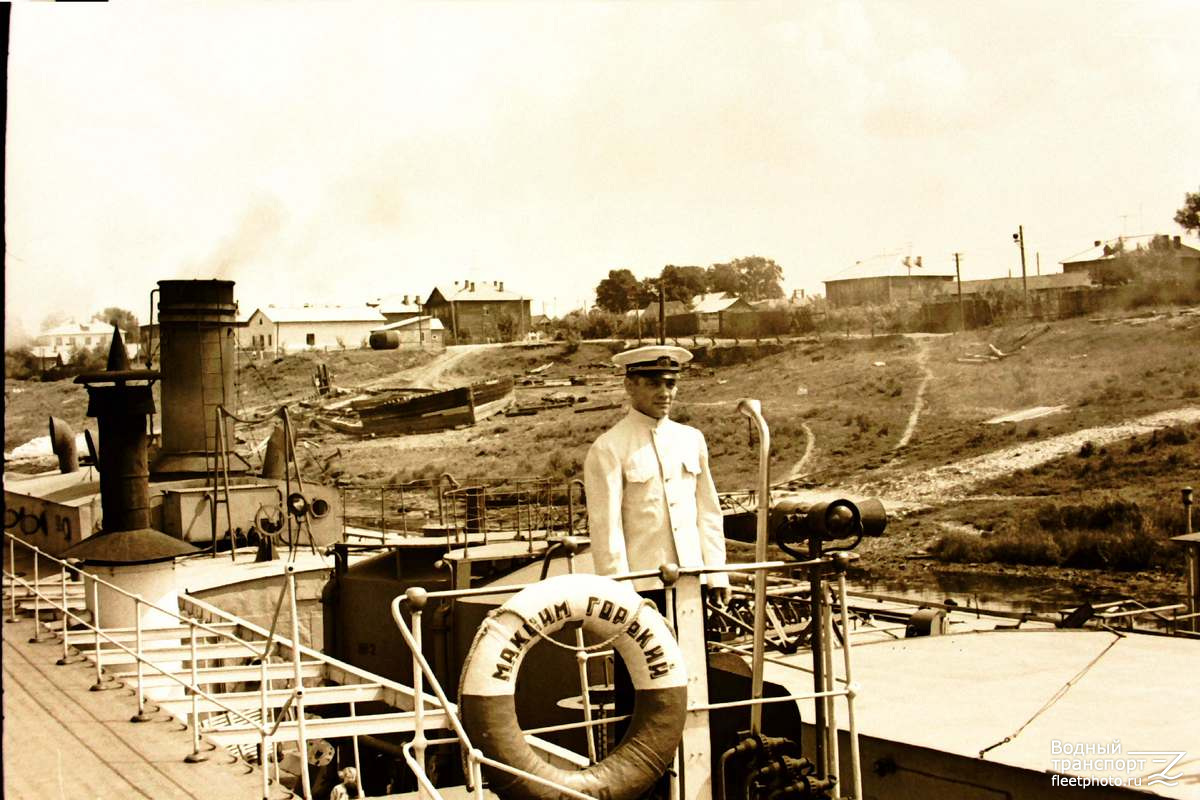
{"type": "Point", "coordinates": [424, 411]}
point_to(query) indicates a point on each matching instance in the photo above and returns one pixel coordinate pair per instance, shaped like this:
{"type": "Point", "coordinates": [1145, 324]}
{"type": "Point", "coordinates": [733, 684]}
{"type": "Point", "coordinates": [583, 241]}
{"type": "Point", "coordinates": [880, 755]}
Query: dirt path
{"type": "Point", "coordinates": [429, 375]}
{"type": "Point", "coordinates": [919, 403]}
{"type": "Point", "coordinates": [942, 484]}
{"type": "Point", "coordinates": [797, 470]}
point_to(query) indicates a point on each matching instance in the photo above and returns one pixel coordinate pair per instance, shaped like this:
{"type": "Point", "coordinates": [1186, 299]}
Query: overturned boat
{"type": "Point", "coordinates": [404, 411]}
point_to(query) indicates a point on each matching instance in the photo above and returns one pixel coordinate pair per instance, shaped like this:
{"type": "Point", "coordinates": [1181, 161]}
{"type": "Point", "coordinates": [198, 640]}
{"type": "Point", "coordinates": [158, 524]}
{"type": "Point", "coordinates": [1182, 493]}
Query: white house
{"type": "Point", "coordinates": [280, 329]}
{"type": "Point", "coordinates": [67, 339]}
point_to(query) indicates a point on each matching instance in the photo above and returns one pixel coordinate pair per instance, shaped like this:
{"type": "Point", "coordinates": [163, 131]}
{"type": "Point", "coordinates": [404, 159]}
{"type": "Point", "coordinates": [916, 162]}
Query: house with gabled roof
{"type": "Point", "coordinates": [480, 311]}
{"type": "Point", "coordinates": [1102, 255]}
{"type": "Point", "coordinates": [884, 279]}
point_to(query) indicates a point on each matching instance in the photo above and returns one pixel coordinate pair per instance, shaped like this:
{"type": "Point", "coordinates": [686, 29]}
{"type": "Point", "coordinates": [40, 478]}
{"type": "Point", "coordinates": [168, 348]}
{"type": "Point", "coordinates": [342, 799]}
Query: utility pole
{"type": "Point", "coordinates": [1038, 254]}
{"type": "Point", "coordinates": [1019, 238]}
{"type": "Point", "coordinates": [962, 318]}
{"type": "Point", "coordinates": [662, 311]}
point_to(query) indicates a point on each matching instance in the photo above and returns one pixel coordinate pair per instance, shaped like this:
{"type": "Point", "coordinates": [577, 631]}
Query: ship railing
{"type": "Point", "coordinates": [532, 508]}
{"type": "Point", "coordinates": [825, 694]}
{"type": "Point", "coordinates": [1126, 613]}
{"type": "Point", "coordinates": [117, 639]}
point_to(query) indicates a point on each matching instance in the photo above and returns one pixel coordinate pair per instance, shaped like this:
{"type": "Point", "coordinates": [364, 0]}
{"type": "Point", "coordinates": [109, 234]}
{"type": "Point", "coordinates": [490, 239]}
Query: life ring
{"type": "Point", "coordinates": [615, 613]}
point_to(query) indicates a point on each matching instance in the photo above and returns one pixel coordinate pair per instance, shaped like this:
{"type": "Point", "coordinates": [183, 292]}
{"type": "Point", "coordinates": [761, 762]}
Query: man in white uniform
{"type": "Point", "coordinates": [650, 495]}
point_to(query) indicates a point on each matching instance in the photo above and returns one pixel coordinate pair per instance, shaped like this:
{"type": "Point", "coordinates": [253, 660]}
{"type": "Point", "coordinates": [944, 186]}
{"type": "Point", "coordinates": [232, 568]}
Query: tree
{"type": "Point", "coordinates": [725, 278]}
{"type": "Point", "coordinates": [1188, 217]}
{"type": "Point", "coordinates": [506, 326]}
{"type": "Point", "coordinates": [127, 321]}
{"type": "Point", "coordinates": [683, 283]}
{"type": "Point", "coordinates": [753, 277]}
{"type": "Point", "coordinates": [54, 319]}
{"type": "Point", "coordinates": [763, 277]}
{"type": "Point", "coordinates": [618, 292]}
{"type": "Point", "coordinates": [647, 292]}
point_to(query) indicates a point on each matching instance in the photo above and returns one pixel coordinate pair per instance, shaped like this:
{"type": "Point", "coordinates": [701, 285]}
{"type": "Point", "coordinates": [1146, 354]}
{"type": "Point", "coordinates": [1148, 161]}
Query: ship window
{"type": "Point", "coordinates": [310, 339]}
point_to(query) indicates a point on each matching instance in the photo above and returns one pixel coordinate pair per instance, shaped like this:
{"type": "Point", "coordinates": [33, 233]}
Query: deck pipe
{"type": "Point", "coordinates": [62, 444]}
{"type": "Point", "coordinates": [753, 409]}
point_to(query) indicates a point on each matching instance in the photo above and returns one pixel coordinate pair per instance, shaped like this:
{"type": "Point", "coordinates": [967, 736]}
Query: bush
{"type": "Point", "coordinates": [960, 548]}
{"type": "Point", "coordinates": [21, 364]}
{"type": "Point", "coordinates": [1110, 533]}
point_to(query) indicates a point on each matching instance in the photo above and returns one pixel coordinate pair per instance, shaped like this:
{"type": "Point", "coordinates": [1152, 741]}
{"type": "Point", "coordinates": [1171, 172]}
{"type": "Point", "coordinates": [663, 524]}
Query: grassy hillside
{"type": "Point", "coordinates": [867, 415]}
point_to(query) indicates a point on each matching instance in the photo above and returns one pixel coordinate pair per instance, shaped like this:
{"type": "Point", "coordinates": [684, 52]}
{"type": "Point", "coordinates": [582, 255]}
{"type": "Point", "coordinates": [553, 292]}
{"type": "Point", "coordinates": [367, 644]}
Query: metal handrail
{"type": "Point", "coordinates": [192, 687]}
{"type": "Point", "coordinates": [417, 599]}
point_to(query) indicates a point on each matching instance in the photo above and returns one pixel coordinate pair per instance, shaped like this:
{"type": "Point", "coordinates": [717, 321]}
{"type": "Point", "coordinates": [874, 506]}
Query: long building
{"type": "Point", "coordinates": [280, 329]}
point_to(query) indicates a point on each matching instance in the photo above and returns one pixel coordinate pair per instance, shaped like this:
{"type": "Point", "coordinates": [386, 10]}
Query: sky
{"type": "Point", "coordinates": [319, 152]}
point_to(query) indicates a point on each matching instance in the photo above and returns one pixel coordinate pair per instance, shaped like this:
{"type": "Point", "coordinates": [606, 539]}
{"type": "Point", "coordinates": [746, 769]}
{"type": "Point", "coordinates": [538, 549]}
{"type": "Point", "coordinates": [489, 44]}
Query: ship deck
{"type": "Point", "coordinates": [62, 740]}
{"type": "Point", "coordinates": [1020, 698]}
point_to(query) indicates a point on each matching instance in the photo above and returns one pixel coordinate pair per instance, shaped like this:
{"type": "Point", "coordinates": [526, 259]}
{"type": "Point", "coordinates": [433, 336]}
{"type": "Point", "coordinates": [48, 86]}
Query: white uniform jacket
{"type": "Point", "coordinates": [651, 499]}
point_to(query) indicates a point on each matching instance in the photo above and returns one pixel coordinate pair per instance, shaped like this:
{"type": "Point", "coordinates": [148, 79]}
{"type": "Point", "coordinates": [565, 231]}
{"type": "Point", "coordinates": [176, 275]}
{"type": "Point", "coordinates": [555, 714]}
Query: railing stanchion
{"type": "Point", "coordinates": [98, 686]}
{"type": "Point", "coordinates": [830, 710]}
{"type": "Point", "coordinates": [851, 728]}
{"type": "Point", "coordinates": [416, 600]}
{"type": "Point", "coordinates": [357, 765]}
{"type": "Point", "coordinates": [37, 608]}
{"type": "Point", "coordinates": [262, 762]}
{"type": "Point", "coordinates": [477, 774]}
{"type": "Point", "coordinates": [298, 686]}
{"type": "Point", "coordinates": [194, 757]}
{"type": "Point", "coordinates": [12, 584]}
{"type": "Point", "coordinates": [66, 614]}
{"type": "Point", "coordinates": [264, 721]}
{"type": "Point", "coordinates": [141, 715]}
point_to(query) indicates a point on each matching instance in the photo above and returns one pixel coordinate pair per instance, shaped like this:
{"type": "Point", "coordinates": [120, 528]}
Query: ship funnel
{"type": "Point", "coordinates": [197, 321]}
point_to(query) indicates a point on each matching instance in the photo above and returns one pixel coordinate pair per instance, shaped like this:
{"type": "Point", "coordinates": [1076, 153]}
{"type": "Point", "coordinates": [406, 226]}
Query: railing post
{"type": "Point", "coordinates": [194, 757]}
{"type": "Point", "coordinates": [98, 686]}
{"type": "Point", "coordinates": [262, 762]}
{"type": "Point", "coordinates": [851, 728]}
{"type": "Point", "coordinates": [830, 709]}
{"type": "Point", "coordinates": [66, 653]}
{"type": "Point", "coordinates": [476, 773]}
{"type": "Point", "coordinates": [403, 516]}
{"type": "Point", "coordinates": [12, 584]}
{"type": "Point", "coordinates": [416, 600]}
{"type": "Point", "coordinates": [37, 608]}
{"type": "Point", "coordinates": [262, 717]}
{"type": "Point", "coordinates": [357, 765]}
{"type": "Point", "coordinates": [141, 715]}
{"type": "Point", "coordinates": [298, 686]}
